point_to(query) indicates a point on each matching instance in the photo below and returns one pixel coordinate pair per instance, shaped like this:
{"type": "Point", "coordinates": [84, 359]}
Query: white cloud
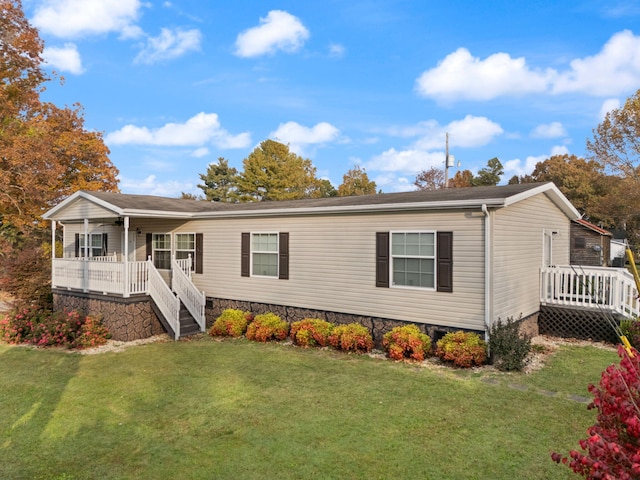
{"type": "Point", "coordinates": [151, 186]}
{"type": "Point", "coordinates": [518, 167]}
{"type": "Point", "coordinates": [406, 161]}
{"type": "Point", "coordinates": [200, 152]}
{"type": "Point", "coordinates": [612, 71]}
{"type": "Point", "coordinates": [390, 182]}
{"type": "Point", "coordinates": [77, 18]}
{"type": "Point", "coordinates": [336, 50]}
{"type": "Point", "coordinates": [199, 130]}
{"type": "Point", "coordinates": [469, 132]}
{"type": "Point", "coordinates": [461, 76]}
{"type": "Point", "coordinates": [65, 59]}
{"type": "Point", "coordinates": [549, 130]}
{"type": "Point", "coordinates": [293, 132]}
{"type": "Point", "coordinates": [607, 106]}
{"type": "Point", "coordinates": [168, 45]}
{"type": "Point", "coordinates": [278, 31]}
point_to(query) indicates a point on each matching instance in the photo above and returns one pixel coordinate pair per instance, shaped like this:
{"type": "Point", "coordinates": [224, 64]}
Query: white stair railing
{"type": "Point", "coordinates": [167, 302]}
{"type": "Point", "coordinates": [187, 292]}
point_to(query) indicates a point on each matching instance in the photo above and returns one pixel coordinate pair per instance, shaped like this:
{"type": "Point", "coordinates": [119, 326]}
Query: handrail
{"type": "Point", "coordinates": [187, 292]}
{"type": "Point", "coordinates": [605, 288]}
{"type": "Point", "coordinates": [164, 298]}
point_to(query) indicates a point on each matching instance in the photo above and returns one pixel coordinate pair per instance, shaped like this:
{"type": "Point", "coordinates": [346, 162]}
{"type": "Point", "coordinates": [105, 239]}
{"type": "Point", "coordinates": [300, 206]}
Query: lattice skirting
{"type": "Point", "coordinates": [577, 323]}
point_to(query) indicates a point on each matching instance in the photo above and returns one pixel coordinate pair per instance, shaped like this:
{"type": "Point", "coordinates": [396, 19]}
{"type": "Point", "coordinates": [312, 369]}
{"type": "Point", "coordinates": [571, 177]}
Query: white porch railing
{"type": "Point", "coordinates": [164, 298]}
{"type": "Point", "coordinates": [602, 288]}
{"type": "Point", "coordinates": [99, 276]}
{"type": "Point", "coordinates": [192, 298]}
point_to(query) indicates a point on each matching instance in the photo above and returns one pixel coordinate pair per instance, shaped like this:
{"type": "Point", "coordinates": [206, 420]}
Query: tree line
{"type": "Point", "coordinates": [273, 172]}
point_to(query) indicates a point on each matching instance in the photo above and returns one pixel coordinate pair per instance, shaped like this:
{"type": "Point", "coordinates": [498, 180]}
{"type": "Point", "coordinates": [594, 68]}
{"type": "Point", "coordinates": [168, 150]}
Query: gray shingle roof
{"type": "Point", "coordinates": [465, 195]}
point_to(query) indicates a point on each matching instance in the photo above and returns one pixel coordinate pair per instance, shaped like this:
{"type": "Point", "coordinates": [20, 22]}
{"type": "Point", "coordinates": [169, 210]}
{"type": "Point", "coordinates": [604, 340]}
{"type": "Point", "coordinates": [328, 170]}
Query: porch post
{"type": "Point", "coordinates": [53, 251]}
{"type": "Point", "coordinates": [85, 260]}
{"type": "Point", "coordinates": [127, 288]}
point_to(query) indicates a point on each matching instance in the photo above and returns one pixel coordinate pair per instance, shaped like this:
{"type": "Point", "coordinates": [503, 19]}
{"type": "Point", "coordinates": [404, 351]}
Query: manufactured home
{"type": "Point", "coordinates": [444, 260]}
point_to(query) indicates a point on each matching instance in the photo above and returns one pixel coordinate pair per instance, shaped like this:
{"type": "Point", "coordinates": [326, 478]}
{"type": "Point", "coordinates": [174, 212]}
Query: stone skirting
{"type": "Point", "coordinates": [376, 325]}
{"type": "Point", "coordinates": [126, 318]}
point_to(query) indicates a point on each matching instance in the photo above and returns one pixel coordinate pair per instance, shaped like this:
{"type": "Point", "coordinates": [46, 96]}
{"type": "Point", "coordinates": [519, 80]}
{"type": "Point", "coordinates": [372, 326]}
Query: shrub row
{"type": "Point", "coordinates": [463, 349]}
{"type": "Point", "coordinates": [44, 328]}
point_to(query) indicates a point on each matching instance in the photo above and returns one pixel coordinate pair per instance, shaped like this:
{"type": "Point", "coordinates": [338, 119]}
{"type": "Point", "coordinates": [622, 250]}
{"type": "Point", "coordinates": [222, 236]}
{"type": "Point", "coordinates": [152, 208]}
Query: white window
{"type": "Point", "coordinates": [95, 245]}
{"type": "Point", "coordinates": [161, 248]}
{"type": "Point", "coordinates": [186, 246]}
{"type": "Point", "coordinates": [413, 259]}
{"type": "Point", "coordinates": [264, 254]}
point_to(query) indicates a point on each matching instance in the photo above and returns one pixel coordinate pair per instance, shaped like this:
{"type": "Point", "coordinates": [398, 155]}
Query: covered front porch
{"type": "Point", "coordinates": [103, 256]}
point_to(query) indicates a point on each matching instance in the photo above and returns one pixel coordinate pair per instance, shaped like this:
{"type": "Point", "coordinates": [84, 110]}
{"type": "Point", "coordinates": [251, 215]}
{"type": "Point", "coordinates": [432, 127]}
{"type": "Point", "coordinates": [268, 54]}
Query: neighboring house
{"type": "Point", "coordinates": [590, 244]}
{"type": "Point", "coordinates": [447, 259]}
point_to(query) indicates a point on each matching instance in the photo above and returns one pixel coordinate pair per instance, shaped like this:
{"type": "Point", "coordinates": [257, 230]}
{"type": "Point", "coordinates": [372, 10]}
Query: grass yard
{"type": "Point", "coordinates": [241, 410]}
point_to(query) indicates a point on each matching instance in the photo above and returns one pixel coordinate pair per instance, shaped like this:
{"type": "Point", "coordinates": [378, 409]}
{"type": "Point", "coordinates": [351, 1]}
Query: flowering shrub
{"type": "Point", "coordinates": [612, 450]}
{"type": "Point", "coordinates": [267, 326]}
{"type": "Point", "coordinates": [464, 349]}
{"type": "Point", "coordinates": [311, 332]}
{"type": "Point", "coordinates": [231, 323]}
{"type": "Point", "coordinates": [407, 342]}
{"type": "Point", "coordinates": [44, 328]}
{"type": "Point", "coordinates": [350, 337]}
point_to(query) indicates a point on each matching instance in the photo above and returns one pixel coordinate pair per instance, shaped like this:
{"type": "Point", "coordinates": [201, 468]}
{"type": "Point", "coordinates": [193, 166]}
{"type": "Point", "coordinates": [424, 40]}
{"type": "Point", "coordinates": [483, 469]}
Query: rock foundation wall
{"type": "Point", "coordinates": [376, 325]}
{"type": "Point", "coordinates": [126, 318]}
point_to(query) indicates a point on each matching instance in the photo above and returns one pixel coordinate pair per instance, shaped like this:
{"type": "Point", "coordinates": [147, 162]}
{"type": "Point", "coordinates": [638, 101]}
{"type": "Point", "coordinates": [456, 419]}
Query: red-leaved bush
{"type": "Point", "coordinates": [464, 349]}
{"type": "Point", "coordinates": [612, 450]}
{"type": "Point", "coordinates": [311, 332]}
{"type": "Point", "coordinates": [231, 322]}
{"type": "Point", "coordinates": [53, 329]}
{"type": "Point", "coordinates": [407, 342]}
{"type": "Point", "coordinates": [266, 327]}
{"type": "Point", "coordinates": [352, 337]}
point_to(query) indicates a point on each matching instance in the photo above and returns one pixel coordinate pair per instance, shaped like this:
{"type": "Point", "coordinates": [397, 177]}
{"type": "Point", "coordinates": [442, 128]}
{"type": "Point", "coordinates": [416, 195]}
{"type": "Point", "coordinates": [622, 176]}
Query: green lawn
{"type": "Point", "coordinates": [241, 410]}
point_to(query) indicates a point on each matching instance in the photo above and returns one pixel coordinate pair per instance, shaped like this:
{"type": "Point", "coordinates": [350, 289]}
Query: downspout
{"type": "Point", "coordinates": [488, 277]}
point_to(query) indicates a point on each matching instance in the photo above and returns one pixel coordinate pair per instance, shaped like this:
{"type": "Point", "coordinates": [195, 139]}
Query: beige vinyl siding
{"type": "Point", "coordinates": [518, 253]}
{"type": "Point", "coordinates": [83, 208]}
{"type": "Point", "coordinates": [332, 266]}
{"type": "Point", "coordinates": [114, 237]}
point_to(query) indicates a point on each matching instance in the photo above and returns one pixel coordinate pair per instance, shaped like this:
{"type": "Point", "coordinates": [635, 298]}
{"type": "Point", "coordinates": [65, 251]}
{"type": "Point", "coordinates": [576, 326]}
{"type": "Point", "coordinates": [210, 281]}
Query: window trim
{"type": "Point", "coordinates": [434, 257]}
{"type": "Point", "coordinates": [154, 250]}
{"type": "Point", "coordinates": [175, 249]}
{"type": "Point", "coordinates": [276, 253]}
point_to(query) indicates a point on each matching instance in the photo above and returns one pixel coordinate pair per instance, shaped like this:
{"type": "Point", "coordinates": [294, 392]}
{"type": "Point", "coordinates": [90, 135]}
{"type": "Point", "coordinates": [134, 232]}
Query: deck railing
{"type": "Point", "coordinates": [99, 276]}
{"type": "Point", "coordinates": [192, 298]}
{"type": "Point", "coordinates": [602, 288]}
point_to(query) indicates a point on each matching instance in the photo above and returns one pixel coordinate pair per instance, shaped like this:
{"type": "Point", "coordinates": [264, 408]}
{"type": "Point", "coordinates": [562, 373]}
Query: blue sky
{"type": "Point", "coordinates": [173, 85]}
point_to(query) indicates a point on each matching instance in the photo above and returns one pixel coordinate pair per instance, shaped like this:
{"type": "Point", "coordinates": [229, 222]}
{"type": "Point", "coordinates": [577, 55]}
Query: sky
{"type": "Point", "coordinates": [174, 85]}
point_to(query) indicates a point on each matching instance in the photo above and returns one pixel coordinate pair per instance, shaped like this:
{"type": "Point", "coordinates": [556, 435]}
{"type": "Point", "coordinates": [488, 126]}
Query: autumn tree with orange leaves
{"type": "Point", "coordinates": [45, 152]}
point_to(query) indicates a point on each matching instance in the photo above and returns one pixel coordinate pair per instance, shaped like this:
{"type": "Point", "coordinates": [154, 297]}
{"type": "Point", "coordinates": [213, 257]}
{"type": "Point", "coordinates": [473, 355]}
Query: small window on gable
{"type": "Point", "coordinates": [579, 242]}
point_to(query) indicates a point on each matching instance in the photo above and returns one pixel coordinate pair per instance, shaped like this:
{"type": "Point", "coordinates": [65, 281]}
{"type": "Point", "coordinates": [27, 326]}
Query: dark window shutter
{"type": "Point", "coordinates": [77, 244]}
{"type": "Point", "coordinates": [199, 253]}
{"type": "Point", "coordinates": [445, 262]}
{"type": "Point", "coordinates": [245, 263]}
{"type": "Point", "coordinates": [382, 259]}
{"type": "Point", "coordinates": [105, 245]}
{"type": "Point", "coordinates": [149, 245]}
{"type": "Point", "coordinates": [283, 256]}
